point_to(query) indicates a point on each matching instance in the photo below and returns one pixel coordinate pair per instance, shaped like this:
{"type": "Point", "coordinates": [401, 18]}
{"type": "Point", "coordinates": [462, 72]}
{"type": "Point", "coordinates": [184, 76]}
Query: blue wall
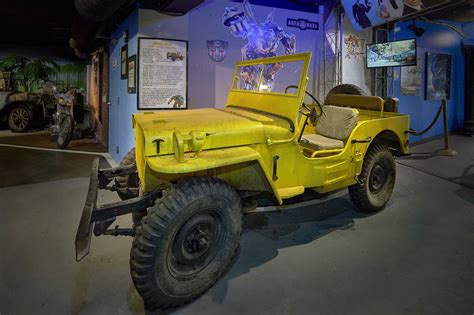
{"type": "Point", "coordinates": [123, 104]}
{"type": "Point", "coordinates": [437, 39]}
{"type": "Point", "coordinates": [468, 29]}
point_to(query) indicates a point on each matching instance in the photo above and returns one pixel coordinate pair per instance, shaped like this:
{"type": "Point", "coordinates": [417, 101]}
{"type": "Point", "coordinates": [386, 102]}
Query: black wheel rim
{"type": "Point", "coordinates": [20, 118]}
{"type": "Point", "coordinates": [195, 245]}
{"type": "Point", "coordinates": [377, 178]}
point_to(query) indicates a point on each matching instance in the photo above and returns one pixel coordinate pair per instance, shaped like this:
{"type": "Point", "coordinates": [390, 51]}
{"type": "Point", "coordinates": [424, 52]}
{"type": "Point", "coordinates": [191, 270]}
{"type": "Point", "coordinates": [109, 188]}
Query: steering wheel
{"type": "Point", "coordinates": [312, 113]}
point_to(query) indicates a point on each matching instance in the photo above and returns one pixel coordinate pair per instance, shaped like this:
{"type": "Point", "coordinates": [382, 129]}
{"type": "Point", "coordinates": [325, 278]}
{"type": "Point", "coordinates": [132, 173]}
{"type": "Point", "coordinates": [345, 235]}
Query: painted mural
{"type": "Point", "coordinates": [368, 13]}
{"type": "Point", "coordinates": [263, 41]}
{"type": "Point", "coordinates": [355, 47]}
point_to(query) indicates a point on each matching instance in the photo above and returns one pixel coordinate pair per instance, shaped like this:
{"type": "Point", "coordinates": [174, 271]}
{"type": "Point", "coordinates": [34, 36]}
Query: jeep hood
{"type": "Point", "coordinates": [220, 128]}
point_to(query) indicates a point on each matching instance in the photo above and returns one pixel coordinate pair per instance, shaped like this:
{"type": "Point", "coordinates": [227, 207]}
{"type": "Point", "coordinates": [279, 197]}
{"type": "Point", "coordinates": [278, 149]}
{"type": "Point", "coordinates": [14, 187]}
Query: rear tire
{"type": "Point", "coordinates": [186, 242]}
{"type": "Point", "coordinates": [377, 180]}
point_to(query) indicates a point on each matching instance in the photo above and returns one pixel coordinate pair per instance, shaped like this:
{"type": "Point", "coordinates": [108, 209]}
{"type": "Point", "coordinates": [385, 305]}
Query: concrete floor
{"type": "Point", "coordinates": [41, 139]}
{"type": "Point", "coordinates": [415, 257]}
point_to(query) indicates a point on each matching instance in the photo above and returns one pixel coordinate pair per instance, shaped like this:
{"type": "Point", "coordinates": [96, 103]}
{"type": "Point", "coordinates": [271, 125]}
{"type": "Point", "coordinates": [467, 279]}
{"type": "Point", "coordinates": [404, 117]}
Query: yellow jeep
{"type": "Point", "coordinates": [193, 173]}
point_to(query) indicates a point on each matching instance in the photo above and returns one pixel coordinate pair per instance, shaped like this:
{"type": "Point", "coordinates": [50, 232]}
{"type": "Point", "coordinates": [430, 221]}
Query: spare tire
{"type": "Point", "coordinates": [127, 181]}
{"type": "Point", "coordinates": [350, 89]}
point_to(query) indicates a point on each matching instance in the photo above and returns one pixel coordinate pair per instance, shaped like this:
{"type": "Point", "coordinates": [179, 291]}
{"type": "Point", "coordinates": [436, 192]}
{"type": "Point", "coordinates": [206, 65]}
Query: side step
{"type": "Point", "coordinates": [290, 192]}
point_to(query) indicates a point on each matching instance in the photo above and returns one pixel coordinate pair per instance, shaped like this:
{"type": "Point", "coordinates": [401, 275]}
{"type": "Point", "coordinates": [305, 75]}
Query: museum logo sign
{"type": "Point", "coordinates": [302, 24]}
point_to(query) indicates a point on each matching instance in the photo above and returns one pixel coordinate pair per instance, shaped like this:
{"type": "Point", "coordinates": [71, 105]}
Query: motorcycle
{"type": "Point", "coordinates": [72, 119]}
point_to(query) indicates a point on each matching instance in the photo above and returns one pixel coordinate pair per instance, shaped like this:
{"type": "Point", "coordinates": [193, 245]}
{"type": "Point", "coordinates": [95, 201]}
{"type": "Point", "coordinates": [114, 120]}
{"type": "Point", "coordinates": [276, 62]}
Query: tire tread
{"type": "Point", "coordinates": [154, 227]}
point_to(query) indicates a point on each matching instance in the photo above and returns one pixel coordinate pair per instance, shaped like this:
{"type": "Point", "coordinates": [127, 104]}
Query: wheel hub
{"type": "Point", "coordinates": [377, 178]}
{"type": "Point", "coordinates": [195, 244]}
{"type": "Point", "coordinates": [197, 241]}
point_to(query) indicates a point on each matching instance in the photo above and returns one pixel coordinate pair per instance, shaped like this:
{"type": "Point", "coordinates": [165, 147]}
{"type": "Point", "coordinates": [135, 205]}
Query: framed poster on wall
{"type": "Point", "coordinates": [132, 77]}
{"type": "Point", "coordinates": [162, 73]}
{"type": "Point", "coordinates": [410, 82]}
{"type": "Point", "coordinates": [123, 62]}
{"type": "Point", "coordinates": [438, 76]}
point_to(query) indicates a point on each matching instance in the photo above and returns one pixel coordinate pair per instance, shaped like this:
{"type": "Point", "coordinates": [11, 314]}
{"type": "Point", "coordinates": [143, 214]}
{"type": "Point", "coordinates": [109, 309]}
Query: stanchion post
{"type": "Point", "coordinates": [446, 151]}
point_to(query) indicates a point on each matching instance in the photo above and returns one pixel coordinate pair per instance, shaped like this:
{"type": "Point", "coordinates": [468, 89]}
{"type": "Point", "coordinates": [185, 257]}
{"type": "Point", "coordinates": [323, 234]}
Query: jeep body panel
{"type": "Point", "coordinates": [253, 144]}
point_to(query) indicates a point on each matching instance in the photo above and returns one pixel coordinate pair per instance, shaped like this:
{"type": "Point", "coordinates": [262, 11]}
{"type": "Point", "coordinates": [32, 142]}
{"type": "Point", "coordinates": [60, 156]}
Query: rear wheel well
{"type": "Point", "coordinates": [389, 139]}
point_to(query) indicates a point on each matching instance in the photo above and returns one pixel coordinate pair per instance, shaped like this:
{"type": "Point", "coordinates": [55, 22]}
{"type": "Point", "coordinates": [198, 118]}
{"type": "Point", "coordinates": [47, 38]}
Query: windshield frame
{"type": "Point", "coordinates": [277, 103]}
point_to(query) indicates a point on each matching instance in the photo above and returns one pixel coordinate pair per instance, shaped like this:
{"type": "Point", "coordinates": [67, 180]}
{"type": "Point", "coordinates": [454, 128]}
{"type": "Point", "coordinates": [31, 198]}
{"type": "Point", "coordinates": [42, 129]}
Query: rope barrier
{"type": "Point", "coordinates": [414, 133]}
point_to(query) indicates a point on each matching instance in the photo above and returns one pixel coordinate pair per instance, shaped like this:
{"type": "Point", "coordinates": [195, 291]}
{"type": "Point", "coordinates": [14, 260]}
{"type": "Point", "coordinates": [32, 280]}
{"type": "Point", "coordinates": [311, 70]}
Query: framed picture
{"type": "Point", "coordinates": [438, 76]}
{"type": "Point", "coordinates": [410, 82]}
{"type": "Point", "coordinates": [123, 64]}
{"type": "Point", "coordinates": [162, 73]}
{"type": "Point", "coordinates": [131, 75]}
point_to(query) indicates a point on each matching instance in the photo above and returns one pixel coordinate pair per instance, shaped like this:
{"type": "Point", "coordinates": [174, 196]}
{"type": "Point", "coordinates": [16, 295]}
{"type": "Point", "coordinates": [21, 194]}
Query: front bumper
{"type": "Point", "coordinates": [96, 219]}
{"type": "Point", "coordinates": [84, 231]}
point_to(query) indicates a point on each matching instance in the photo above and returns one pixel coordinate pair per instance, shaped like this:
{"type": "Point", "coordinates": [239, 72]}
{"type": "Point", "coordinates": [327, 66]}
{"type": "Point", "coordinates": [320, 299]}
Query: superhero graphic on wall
{"type": "Point", "coordinates": [263, 41]}
{"type": "Point", "coordinates": [355, 47]}
{"type": "Point", "coordinates": [360, 10]}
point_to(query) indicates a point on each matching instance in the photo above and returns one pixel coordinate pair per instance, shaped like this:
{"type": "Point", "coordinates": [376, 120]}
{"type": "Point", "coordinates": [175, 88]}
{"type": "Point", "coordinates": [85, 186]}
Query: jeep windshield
{"type": "Point", "coordinates": [261, 84]}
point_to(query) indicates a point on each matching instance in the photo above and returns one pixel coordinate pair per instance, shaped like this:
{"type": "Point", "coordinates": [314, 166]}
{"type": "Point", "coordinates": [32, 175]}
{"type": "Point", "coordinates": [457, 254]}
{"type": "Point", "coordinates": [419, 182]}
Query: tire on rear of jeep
{"type": "Point", "coordinates": [376, 180]}
{"type": "Point", "coordinates": [350, 89]}
{"type": "Point", "coordinates": [186, 242]}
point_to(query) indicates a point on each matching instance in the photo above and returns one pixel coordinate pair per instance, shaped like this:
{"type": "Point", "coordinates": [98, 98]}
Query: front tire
{"type": "Point", "coordinates": [186, 242]}
{"type": "Point", "coordinates": [20, 118]}
{"type": "Point", "coordinates": [66, 130]}
{"type": "Point", "coordinates": [376, 181]}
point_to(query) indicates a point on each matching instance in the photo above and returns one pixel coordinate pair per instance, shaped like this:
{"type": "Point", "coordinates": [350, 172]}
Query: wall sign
{"type": "Point", "coordinates": [132, 77]}
{"type": "Point", "coordinates": [123, 60]}
{"type": "Point", "coordinates": [114, 63]}
{"type": "Point", "coordinates": [162, 73]}
{"type": "Point", "coordinates": [302, 24]}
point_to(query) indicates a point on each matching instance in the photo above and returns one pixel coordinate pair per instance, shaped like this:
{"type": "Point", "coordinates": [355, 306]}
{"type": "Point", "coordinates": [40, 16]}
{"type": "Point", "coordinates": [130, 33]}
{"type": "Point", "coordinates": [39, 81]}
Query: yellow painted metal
{"type": "Point", "coordinates": [357, 101]}
{"type": "Point", "coordinates": [240, 144]}
{"type": "Point", "coordinates": [287, 193]}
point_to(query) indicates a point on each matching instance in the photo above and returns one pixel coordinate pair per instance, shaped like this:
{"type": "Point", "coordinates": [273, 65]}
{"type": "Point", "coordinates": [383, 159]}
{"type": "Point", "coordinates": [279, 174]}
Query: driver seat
{"type": "Point", "coordinates": [333, 128]}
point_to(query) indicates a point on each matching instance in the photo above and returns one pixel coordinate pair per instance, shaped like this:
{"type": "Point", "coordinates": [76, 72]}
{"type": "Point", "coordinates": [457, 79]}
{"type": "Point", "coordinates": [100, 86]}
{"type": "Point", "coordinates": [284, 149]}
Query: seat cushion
{"type": "Point", "coordinates": [337, 122]}
{"type": "Point", "coordinates": [319, 142]}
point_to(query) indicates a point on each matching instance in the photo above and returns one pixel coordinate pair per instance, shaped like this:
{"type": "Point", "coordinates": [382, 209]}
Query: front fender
{"type": "Point", "coordinates": [234, 165]}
